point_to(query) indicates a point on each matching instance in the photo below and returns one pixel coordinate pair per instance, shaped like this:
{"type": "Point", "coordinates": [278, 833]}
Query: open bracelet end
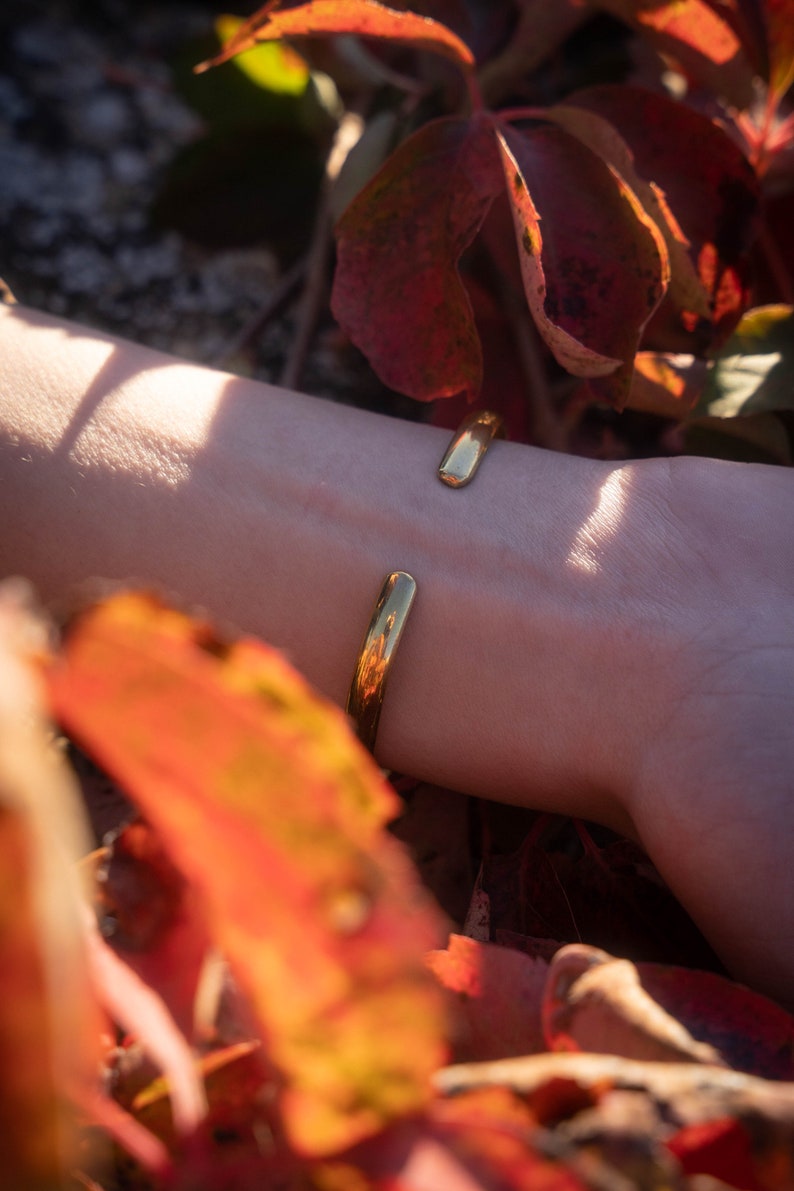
{"type": "Point", "coordinates": [389, 617]}
{"type": "Point", "coordinates": [466, 450]}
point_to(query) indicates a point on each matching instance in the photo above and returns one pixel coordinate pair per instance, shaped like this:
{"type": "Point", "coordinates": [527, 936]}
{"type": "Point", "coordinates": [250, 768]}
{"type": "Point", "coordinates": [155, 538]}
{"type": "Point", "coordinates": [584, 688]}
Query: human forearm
{"type": "Point", "coordinates": [604, 640]}
{"type": "Point", "coordinates": [281, 514]}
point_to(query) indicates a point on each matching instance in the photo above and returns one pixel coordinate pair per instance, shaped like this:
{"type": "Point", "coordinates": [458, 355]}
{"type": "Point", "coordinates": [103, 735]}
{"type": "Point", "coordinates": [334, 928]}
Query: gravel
{"type": "Point", "coordinates": [89, 122]}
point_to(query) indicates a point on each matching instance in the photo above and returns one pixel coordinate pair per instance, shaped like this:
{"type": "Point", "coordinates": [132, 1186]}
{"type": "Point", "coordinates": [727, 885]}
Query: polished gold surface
{"type": "Point", "coordinates": [470, 442]}
{"type": "Point", "coordinates": [365, 698]}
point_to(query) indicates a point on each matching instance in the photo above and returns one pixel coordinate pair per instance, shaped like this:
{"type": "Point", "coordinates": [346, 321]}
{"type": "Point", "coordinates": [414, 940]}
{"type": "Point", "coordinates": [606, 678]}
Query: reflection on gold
{"type": "Point", "coordinates": [470, 442]}
{"type": "Point", "coordinates": [365, 697]}
{"type": "Point", "coordinates": [389, 616]}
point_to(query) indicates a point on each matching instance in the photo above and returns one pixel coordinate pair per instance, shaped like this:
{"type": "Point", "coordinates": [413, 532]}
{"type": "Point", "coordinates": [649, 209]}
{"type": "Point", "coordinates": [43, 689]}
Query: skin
{"type": "Point", "coordinates": [608, 640]}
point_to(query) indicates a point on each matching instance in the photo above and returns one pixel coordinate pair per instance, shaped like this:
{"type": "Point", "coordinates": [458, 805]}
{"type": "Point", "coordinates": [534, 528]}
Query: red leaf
{"type": "Point", "coordinates": [715, 199]}
{"type": "Point", "coordinates": [268, 804]}
{"type": "Point", "coordinates": [752, 1032]}
{"type": "Point", "coordinates": [504, 388]}
{"type": "Point", "coordinates": [719, 1148]}
{"type": "Point", "coordinates": [366, 18]}
{"type": "Point", "coordinates": [686, 288]}
{"type": "Point", "coordinates": [499, 994]}
{"type": "Point", "coordinates": [397, 291]}
{"type": "Point", "coordinates": [692, 32]}
{"type": "Point", "coordinates": [593, 263]}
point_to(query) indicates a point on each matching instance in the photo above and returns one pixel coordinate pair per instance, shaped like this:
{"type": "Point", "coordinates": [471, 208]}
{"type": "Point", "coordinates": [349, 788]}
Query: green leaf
{"type": "Point", "coordinates": [754, 371]}
{"type": "Point", "coordinates": [272, 65]}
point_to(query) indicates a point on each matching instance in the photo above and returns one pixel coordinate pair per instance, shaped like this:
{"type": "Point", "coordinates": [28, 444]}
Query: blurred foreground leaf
{"type": "Point", "coordinates": [268, 804]}
{"type": "Point", "coordinates": [46, 1017]}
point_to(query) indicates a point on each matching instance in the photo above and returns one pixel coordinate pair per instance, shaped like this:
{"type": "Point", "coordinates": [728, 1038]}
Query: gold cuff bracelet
{"type": "Point", "coordinates": [469, 443]}
{"type": "Point", "coordinates": [365, 697]}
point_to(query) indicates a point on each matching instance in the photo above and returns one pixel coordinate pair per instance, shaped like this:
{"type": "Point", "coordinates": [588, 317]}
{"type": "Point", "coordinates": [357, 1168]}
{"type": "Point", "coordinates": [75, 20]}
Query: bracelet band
{"type": "Point", "coordinates": [469, 443]}
{"type": "Point", "coordinates": [389, 617]}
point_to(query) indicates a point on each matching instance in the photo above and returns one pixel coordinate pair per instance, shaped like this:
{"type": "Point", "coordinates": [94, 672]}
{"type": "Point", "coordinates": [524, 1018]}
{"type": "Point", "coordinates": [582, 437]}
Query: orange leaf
{"type": "Point", "coordinates": [270, 807]}
{"type": "Point", "coordinates": [366, 18]}
{"type": "Point", "coordinates": [499, 994]}
{"type": "Point", "coordinates": [702, 40]}
{"type": "Point", "coordinates": [667, 385]}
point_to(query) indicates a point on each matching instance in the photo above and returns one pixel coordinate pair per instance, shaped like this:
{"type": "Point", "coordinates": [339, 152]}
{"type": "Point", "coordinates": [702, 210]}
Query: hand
{"type": "Point", "coordinates": [713, 799]}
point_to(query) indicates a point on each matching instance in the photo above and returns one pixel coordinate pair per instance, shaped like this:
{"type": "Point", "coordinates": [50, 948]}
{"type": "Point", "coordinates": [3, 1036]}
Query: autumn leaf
{"type": "Point", "coordinates": [746, 403]}
{"type": "Point", "coordinates": [723, 1150]}
{"type": "Point", "coordinates": [712, 1121]}
{"type": "Point", "coordinates": [715, 201]}
{"type": "Point", "coordinates": [271, 65]}
{"type": "Point", "coordinates": [688, 1093]}
{"type": "Point", "coordinates": [268, 805]}
{"type": "Point", "coordinates": [668, 385]}
{"type": "Point", "coordinates": [228, 1150]}
{"type": "Point", "coordinates": [685, 287]}
{"type": "Point", "coordinates": [497, 993]}
{"type": "Point", "coordinates": [595, 1002]}
{"type": "Point", "coordinates": [365, 18]}
{"type": "Point", "coordinates": [30, 1110]}
{"type": "Point", "coordinates": [754, 371]}
{"type": "Point", "coordinates": [397, 290]}
{"type": "Point", "coordinates": [752, 1033]}
{"type": "Point", "coordinates": [594, 265]}
{"type": "Point", "coordinates": [698, 36]}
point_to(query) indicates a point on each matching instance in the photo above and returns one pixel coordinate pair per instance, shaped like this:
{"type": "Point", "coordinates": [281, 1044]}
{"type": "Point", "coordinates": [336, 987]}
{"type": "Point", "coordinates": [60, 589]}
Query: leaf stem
{"type": "Point", "coordinates": [474, 92]}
